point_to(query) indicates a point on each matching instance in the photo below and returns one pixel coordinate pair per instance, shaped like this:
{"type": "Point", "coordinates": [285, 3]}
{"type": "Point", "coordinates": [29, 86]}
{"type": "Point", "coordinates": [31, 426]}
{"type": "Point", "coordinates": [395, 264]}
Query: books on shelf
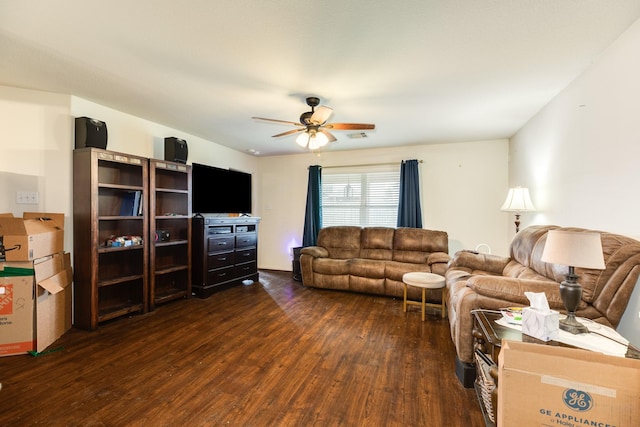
{"type": "Point", "coordinates": [131, 204]}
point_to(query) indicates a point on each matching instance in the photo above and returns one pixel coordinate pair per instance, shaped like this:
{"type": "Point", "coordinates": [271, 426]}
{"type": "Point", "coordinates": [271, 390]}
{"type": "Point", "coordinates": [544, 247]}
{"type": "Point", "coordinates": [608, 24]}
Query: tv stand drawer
{"type": "Point", "coordinates": [221, 244]}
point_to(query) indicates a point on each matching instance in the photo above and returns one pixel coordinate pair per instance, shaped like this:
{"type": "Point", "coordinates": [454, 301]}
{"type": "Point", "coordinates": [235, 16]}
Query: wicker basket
{"type": "Point", "coordinates": [485, 383]}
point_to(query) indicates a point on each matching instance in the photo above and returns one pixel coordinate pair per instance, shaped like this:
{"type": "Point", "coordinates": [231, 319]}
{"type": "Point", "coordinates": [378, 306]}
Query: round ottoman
{"type": "Point", "coordinates": [425, 281]}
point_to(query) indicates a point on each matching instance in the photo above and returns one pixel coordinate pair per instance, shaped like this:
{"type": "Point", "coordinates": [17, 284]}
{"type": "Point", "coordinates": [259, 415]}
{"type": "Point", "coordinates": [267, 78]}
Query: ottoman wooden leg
{"type": "Point", "coordinates": [444, 295]}
{"type": "Point", "coordinates": [404, 304]}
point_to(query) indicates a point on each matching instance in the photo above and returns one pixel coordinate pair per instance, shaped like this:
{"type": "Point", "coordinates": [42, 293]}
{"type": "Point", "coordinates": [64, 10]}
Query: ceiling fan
{"type": "Point", "coordinates": [313, 126]}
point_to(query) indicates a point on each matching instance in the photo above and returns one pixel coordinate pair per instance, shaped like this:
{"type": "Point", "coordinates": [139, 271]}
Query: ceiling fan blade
{"type": "Point", "coordinates": [290, 132]}
{"type": "Point", "coordinates": [277, 121]}
{"type": "Point", "coordinates": [350, 126]}
{"type": "Point", "coordinates": [321, 115]}
{"type": "Point", "coordinates": [330, 137]}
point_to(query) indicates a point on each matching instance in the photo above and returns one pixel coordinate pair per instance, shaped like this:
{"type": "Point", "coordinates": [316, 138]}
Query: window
{"type": "Point", "coordinates": [366, 196]}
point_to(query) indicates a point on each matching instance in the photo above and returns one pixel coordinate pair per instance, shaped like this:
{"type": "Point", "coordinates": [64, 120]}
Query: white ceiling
{"type": "Point", "coordinates": [424, 71]}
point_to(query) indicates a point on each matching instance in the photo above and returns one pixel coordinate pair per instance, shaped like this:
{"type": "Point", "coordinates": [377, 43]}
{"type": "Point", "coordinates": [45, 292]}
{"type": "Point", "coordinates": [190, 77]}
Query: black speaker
{"type": "Point", "coordinates": [90, 133]}
{"type": "Point", "coordinates": [175, 150]}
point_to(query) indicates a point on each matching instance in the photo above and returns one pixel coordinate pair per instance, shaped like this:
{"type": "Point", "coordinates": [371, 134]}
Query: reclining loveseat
{"type": "Point", "coordinates": [484, 281]}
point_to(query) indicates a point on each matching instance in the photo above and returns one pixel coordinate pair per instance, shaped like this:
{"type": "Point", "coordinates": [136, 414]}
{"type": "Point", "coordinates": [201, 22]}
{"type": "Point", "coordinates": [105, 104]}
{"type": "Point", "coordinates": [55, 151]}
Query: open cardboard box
{"type": "Point", "coordinates": [544, 385]}
{"type": "Point", "coordinates": [33, 236]}
{"type": "Point", "coordinates": [53, 277]}
{"type": "Point", "coordinates": [35, 303]}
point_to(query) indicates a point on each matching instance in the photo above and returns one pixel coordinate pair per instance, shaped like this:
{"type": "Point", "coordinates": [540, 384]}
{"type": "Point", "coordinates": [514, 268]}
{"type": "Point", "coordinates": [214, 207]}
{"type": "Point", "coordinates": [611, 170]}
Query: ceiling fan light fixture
{"type": "Point", "coordinates": [321, 139]}
{"type": "Point", "coordinates": [313, 129]}
{"type": "Point", "coordinates": [303, 139]}
{"type": "Point", "coordinates": [313, 140]}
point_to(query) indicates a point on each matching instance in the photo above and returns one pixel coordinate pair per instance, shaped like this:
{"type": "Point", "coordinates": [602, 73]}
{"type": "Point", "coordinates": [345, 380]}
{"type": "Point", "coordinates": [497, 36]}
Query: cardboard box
{"type": "Point", "coordinates": [34, 236]}
{"type": "Point", "coordinates": [544, 385]}
{"type": "Point", "coordinates": [53, 276]}
{"type": "Point", "coordinates": [35, 307]}
{"type": "Point", "coordinates": [16, 308]}
{"type": "Point", "coordinates": [544, 326]}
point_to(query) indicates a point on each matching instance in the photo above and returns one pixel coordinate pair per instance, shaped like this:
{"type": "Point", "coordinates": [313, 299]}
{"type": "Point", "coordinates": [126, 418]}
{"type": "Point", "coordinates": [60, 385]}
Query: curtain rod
{"type": "Point", "coordinates": [366, 164]}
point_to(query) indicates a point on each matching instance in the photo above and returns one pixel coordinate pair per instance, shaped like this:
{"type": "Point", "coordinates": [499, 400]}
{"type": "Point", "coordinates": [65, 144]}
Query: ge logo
{"type": "Point", "coordinates": [577, 400]}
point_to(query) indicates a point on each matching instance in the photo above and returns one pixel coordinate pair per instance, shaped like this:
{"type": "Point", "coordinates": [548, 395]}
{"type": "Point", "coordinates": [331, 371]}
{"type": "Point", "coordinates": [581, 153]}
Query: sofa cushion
{"type": "Point", "coordinates": [394, 270]}
{"type": "Point", "coordinates": [367, 268]}
{"type": "Point", "coordinates": [367, 285]}
{"type": "Point", "coordinates": [617, 250]}
{"type": "Point", "coordinates": [341, 242]}
{"type": "Point", "coordinates": [377, 243]}
{"type": "Point", "coordinates": [414, 244]}
{"type": "Point", "coordinates": [518, 271]}
{"type": "Point", "coordinates": [524, 243]}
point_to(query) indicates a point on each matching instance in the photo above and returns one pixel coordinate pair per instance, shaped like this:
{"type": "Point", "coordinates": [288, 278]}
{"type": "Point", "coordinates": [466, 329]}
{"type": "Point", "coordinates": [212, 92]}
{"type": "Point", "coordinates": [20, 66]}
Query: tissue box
{"type": "Point", "coordinates": [543, 325]}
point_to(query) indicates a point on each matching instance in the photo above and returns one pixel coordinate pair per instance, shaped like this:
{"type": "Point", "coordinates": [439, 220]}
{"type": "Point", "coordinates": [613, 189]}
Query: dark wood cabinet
{"type": "Point", "coordinates": [170, 231]}
{"type": "Point", "coordinates": [225, 253]}
{"type": "Point", "coordinates": [111, 235]}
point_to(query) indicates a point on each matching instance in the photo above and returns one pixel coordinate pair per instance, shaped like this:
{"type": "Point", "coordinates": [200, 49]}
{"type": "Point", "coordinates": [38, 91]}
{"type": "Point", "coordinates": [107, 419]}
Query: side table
{"type": "Point", "coordinates": [487, 337]}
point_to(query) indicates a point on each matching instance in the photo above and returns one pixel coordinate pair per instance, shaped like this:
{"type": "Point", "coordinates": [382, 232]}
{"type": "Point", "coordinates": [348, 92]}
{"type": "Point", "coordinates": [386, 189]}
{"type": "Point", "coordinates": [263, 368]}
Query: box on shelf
{"type": "Point", "coordinates": [35, 235]}
{"type": "Point", "coordinates": [542, 385]}
{"type": "Point", "coordinates": [35, 303]}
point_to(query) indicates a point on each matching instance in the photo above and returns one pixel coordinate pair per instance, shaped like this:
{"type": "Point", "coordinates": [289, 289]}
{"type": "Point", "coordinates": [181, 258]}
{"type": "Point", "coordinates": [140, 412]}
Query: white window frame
{"type": "Point", "coordinates": [342, 201]}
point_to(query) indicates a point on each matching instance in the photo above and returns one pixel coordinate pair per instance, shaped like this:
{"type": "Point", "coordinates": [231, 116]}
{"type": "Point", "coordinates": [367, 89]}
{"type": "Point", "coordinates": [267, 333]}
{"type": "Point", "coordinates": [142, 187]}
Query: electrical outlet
{"type": "Point", "coordinates": [27, 197]}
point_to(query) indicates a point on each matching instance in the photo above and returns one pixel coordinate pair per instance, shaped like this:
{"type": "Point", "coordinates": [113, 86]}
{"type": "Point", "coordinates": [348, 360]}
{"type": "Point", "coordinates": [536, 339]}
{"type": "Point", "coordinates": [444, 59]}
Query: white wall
{"type": "Point", "coordinates": [37, 141]}
{"type": "Point", "coordinates": [463, 186]}
{"type": "Point", "coordinates": [579, 155]}
{"type": "Point", "coordinates": [133, 135]}
{"type": "Point", "coordinates": [35, 152]}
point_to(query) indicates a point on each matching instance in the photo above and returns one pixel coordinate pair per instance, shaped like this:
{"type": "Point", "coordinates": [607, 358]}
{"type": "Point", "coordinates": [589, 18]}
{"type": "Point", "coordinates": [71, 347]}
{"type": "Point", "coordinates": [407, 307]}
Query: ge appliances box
{"type": "Point", "coordinates": [544, 385]}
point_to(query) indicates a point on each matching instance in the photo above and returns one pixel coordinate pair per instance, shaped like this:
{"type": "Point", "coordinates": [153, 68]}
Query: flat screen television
{"type": "Point", "coordinates": [216, 191]}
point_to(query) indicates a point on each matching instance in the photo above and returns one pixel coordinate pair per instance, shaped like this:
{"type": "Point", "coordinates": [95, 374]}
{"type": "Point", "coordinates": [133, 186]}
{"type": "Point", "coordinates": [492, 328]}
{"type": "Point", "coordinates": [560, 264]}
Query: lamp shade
{"type": "Point", "coordinates": [575, 249]}
{"type": "Point", "coordinates": [312, 139]}
{"type": "Point", "coordinates": [303, 139]}
{"type": "Point", "coordinates": [518, 200]}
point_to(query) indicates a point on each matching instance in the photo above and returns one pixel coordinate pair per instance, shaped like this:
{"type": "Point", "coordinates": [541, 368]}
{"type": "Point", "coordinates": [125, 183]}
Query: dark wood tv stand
{"type": "Point", "coordinates": [224, 252]}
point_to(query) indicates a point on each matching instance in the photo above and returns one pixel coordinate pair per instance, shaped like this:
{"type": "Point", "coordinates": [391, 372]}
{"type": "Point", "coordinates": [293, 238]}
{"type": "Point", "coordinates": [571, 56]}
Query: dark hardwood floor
{"type": "Point", "coordinates": [269, 354]}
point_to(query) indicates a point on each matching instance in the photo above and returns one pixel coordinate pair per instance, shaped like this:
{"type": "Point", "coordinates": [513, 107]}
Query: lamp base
{"type": "Point", "coordinates": [571, 325]}
{"type": "Point", "coordinates": [571, 293]}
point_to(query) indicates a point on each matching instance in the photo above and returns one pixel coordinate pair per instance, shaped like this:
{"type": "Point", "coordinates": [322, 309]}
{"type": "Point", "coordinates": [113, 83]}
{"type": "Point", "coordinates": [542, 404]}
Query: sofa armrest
{"type": "Point", "coordinates": [436, 257]}
{"type": "Point", "coordinates": [315, 251]}
{"type": "Point", "coordinates": [511, 289]}
{"type": "Point", "coordinates": [438, 262]}
{"type": "Point", "coordinates": [472, 261]}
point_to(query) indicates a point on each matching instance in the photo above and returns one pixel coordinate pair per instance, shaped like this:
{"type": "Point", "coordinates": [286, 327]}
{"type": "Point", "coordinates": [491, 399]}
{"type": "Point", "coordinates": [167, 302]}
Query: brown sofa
{"type": "Point", "coordinates": [373, 259]}
{"type": "Point", "coordinates": [476, 280]}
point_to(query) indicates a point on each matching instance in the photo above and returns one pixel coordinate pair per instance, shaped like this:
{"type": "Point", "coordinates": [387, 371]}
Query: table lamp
{"type": "Point", "coordinates": [518, 201]}
{"type": "Point", "coordinates": [573, 249]}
